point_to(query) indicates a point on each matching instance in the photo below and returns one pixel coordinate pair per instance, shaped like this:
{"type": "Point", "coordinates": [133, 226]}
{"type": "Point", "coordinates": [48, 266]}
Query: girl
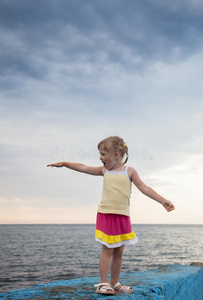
{"type": "Point", "coordinates": [113, 226]}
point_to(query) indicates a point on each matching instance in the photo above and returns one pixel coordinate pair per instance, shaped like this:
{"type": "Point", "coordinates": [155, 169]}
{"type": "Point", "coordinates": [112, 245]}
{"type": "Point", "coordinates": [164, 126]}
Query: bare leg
{"type": "Point", "coordinates": [105, 262]}
{"type": "Point", "coordinates": [116, 265]}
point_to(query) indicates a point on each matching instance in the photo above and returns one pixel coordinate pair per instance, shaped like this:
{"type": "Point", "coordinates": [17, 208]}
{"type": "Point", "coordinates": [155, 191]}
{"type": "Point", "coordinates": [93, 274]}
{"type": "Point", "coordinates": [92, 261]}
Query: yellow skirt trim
{"type": "Point", "coordinates": [112, 239]}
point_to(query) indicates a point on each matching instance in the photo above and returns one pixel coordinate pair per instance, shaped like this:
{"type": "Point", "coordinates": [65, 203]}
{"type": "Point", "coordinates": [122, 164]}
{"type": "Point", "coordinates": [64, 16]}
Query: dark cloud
{"type": "Point", "coordinates": [42, 37]}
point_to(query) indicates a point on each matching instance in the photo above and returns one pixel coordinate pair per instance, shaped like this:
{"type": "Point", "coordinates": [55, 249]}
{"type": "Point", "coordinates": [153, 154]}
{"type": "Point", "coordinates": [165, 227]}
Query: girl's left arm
{"type": "Point", "coordinates": [148, 191]}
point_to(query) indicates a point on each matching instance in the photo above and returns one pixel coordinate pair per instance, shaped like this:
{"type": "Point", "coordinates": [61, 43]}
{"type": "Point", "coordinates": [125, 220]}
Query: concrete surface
{"type": "Point", "coordinates": [171, 282]}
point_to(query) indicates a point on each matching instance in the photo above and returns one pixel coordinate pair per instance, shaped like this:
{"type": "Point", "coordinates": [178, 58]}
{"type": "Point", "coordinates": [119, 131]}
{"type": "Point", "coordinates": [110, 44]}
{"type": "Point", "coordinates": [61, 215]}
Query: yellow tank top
{"type": "Point", "coordinates": [116, 193]}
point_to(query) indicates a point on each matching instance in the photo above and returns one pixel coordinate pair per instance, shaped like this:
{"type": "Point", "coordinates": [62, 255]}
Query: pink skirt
{"type": "Point", "coordinates": [114, 230]}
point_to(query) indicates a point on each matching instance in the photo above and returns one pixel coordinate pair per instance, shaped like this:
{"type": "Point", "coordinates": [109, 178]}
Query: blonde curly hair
{"type": "Point", "coordinates": [114, 144]}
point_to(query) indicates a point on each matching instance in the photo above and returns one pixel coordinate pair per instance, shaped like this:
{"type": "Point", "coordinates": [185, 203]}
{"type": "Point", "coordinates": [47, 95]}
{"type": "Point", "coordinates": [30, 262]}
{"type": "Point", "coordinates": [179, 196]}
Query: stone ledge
{"type": "Point", "coordinates": [177, 282]}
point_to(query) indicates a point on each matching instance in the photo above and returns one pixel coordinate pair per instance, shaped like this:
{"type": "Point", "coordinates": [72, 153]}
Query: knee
{"type": "Point", "coordinates": [118, 252]}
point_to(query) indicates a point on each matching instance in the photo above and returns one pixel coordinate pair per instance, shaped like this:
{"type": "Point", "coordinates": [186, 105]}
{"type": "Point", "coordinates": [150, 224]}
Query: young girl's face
{"type": "Point", "coordinates": [108, 159]}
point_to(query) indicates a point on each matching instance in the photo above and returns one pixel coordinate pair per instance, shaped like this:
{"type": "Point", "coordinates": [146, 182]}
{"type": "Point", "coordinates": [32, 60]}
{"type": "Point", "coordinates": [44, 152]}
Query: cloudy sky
{"type": "Point", "coordinates": [76, 71]}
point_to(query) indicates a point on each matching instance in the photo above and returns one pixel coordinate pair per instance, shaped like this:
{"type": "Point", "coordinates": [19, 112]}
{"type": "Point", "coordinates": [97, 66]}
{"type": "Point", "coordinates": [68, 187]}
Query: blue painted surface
{"type": "Point", "coordinates": [175, 282]}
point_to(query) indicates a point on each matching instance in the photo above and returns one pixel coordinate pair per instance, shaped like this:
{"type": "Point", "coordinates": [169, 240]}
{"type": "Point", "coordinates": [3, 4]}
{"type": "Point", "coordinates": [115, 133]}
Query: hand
{"type": "Point", "coordinates": [168, 205]}
{"type": "Point", "coordinates": [57, 165]}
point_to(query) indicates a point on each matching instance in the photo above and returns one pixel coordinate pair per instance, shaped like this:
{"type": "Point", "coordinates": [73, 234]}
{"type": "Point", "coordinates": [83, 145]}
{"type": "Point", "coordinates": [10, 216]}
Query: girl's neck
{"type": "Point", "coordinates": [118, 167]}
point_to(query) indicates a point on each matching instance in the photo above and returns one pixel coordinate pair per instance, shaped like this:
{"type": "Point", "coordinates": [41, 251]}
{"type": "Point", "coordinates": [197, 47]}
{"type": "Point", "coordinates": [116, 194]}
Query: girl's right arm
{"type": "Point", "coordinates": [148, 191]}
{"type": "Point", "coordinates": [80, 168]}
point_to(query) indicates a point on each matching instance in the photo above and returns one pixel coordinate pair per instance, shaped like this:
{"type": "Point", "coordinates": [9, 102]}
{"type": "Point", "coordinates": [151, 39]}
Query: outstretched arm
{"type": "Point", "coordinates": [146, 190]}
{"type": "Point", "coordinates": [79, 167]}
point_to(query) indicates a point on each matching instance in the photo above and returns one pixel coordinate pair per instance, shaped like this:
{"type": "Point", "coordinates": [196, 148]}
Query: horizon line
{"type": "Point", "coordinates": [2, 224]}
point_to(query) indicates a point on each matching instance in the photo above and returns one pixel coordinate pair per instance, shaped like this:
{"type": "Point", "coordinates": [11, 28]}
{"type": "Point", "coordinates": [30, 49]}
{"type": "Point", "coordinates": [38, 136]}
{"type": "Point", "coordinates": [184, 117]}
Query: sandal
{"type": "Point", "coordinates": [125, 289]}
{"type": "Point", "coordinates": [104, 288]}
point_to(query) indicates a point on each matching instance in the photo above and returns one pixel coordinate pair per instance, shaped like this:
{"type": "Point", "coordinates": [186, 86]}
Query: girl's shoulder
{"type": "Point", "coordinates": [103, 170]}
{"type": "Point", "coordinates": [131, 171]}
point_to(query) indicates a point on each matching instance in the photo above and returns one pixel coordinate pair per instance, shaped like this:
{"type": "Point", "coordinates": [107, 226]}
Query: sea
{"type": "Point", "coordinates": [35, 254]}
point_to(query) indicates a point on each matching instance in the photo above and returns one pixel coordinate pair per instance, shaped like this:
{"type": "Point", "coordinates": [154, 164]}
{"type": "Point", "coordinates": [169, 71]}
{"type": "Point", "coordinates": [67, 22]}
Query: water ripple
{"type": "Point", "coordinates": [34, 254]}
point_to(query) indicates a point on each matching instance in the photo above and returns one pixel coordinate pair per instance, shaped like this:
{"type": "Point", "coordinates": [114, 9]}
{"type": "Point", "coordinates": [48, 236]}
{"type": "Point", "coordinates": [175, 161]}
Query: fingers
{"type": "Point", "coordinates": [171, 207]}
{"type": "Point", "coordinates": [57, 165]}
